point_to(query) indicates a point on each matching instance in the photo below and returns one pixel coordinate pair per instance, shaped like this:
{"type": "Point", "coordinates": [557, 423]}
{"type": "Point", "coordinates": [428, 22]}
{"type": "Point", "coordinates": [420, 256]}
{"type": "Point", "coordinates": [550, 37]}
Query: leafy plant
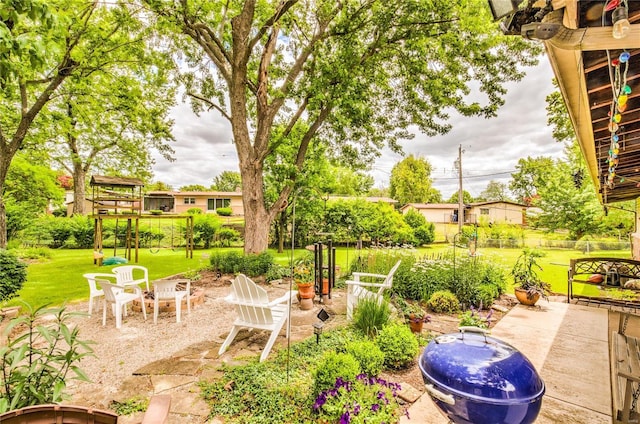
{"type": "Point", "coordinates": [443, 301]}
{"type": "Point", "coordinates": [398, 344]}
{"type": "Point", "coordinates": [525, 274]}
{"type": "Point", "coordinates": [473, 318]}
{"type": "Point", "coordinates": [368, 355]}
{"type": "Point", "coordinates": [333, 366]}
{"type": "Point", "coordinates": [370, 316]}
{"type": "Point", "coordinates": [37, 363]}
{"type": "Point", "coordinates": [224, 211]}
{"type": "Point", "coordinates": [363, 400]}
{"type": "Point", "coordinates": [13, 274]}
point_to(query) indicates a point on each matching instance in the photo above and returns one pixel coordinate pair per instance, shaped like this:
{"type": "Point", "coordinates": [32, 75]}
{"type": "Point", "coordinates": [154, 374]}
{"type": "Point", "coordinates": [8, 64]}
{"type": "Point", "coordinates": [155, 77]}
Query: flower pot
{"type": "Point", "coordinates": [325, 286]}
{"type": "Point", "coordinates": [306, 290]}
{"type": "Point", "coordinates": [306, 304]}
{"type": "Point", "coordinates": [416, 326]}
{"type": "Point", "coordinates": [523, 298]}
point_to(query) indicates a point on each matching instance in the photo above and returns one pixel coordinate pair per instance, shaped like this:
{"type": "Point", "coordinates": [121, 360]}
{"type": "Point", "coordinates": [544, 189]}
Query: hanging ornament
{"type": "Point", "coordinates": [615, 62]}
{"type": "Point", "coordinates": [617, 118]}
{"type": "Point", "coordinates": [615, 138]}
{"type": "Point", "coordinates": [613, 127]}
{"type": "Point", "coordinates": [624, 57]}
{"type": "Point", "coordinates": [611, 5]}
{"type": "Point", "coordinates": [622, 100]}
{"type": "Point", "coordinates": [626, 90]}
{"type": "Point", "coordinates": [622, 108]}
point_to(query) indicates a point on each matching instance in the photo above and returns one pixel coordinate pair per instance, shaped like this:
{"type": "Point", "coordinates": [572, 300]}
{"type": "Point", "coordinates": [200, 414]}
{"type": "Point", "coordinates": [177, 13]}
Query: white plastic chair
{"type": "Point", "coordinates": [166, 289]}
{"type": "Point", "coordinates": [118, 298]}
{"type": "Point", "coordinates": [94, 291]}
{"type": "Point", "coordinates": [358, 290]}
{"type": "Point", "coordinates": [125, 275]}
{"type": "Point", "coordinates": [255, 311]}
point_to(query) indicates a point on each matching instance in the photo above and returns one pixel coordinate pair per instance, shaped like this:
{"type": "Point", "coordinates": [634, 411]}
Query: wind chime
{"type": "Point", "coordinates": [618, 68]}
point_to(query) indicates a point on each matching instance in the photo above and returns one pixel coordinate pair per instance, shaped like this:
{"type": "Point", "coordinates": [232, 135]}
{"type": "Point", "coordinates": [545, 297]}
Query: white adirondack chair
{"type": "Point", "coordinates": [255, 311]}
{"type": "Point", "coordinates": [358, 290]}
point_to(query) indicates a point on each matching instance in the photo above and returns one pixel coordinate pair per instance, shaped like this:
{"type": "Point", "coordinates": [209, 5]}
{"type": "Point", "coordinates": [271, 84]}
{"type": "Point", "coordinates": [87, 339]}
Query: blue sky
{"type": "Point", "coordinates": [492, 147]}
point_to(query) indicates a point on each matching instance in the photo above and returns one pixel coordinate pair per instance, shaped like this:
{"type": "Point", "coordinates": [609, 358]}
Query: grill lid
{"type": "Point", "coordinates": [474, 365]}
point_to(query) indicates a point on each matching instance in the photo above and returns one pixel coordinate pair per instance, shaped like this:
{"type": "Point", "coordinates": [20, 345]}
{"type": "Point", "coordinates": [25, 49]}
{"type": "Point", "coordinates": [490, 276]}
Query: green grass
{"type": "Point", "coordinates": [59, 280]}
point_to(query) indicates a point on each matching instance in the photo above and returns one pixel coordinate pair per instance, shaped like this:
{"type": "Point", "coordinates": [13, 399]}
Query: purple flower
{"type": "Point", "coordinates": [356, 409]}
{"type": "Point", "coordinates": [375, 407]}
{"type": "Point", "coordinates": [345, 418]}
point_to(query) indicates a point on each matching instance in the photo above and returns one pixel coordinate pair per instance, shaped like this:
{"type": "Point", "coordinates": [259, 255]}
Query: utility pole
{"type": "Point", "coordinates": [460, 197]}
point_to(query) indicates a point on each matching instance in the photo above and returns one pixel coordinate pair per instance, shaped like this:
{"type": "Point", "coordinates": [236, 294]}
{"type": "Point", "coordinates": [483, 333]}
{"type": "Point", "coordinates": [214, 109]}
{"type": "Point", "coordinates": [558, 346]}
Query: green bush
{"type": "Point", "coordinates": [204, 229]}
{"type": "Point", "coordinates": [443, 302]}
{"type": "Point", "coordinates": [13, 274]}
{"type": "Point", "coordinates": [414, 219]}
{"type": "Point", "coordinates": [37, 363]}
{"type": "Point", "coordinates": [485, 295]}
{"type": "Point", "coordinates": [194, 211]}
{"type": "Point", "coordinates": [331, 366]}
{"type": "Point", "coordinates": [472, 318]}
{"type": "Point", "coordinates": [226, 236]}
{"type": "Point", "coordinates": [60, 230]}
{"type": "Point", "coordinates": [224, 211]}
{"type": "Point", "coordinates": [235, 262]}
{"type": "Point", "coordinates": [425, 234]}
{"type": "Point", "coordinates": [368, 355]}
{"type": "Point", "coordinates": [277, 272]}
{"type": "Point", "coordinates": [398, 344]}
{"type": "Point", "coordinates": [419, 279]}
{"type": "Point", "coordinates": [82, 231]}
{"type": "Point", "coordinates": [370, 316]}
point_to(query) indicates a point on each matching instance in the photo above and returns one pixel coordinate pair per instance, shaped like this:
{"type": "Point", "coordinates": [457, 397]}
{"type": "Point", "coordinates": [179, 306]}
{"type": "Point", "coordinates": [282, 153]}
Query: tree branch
{"type": "Point", "coordinates": [282, 9]}
{"type": "Point", "coordinates": [211, 104]}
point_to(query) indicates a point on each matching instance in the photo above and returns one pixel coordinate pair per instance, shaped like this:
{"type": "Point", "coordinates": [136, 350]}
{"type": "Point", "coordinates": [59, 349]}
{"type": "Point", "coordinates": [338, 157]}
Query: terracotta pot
{"type": "Point", "coordinates": [416, 326]}
{"type": "Point", "coordinates": [306, 290]}
{"type": "Point", "coordinates": [325, 286]}
{"type": "Point", "coordinates": [523, 298]}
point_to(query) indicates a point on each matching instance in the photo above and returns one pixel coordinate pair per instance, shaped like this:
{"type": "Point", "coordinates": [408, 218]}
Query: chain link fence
{"type": "Point", "coordinates": [586, 246]}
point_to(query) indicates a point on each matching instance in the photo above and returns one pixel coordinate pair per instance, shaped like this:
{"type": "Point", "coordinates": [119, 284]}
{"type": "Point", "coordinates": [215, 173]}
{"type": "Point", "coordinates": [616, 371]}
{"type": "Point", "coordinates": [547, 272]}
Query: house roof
{"type": "Point", "coordinates": [431, 206]}
{"type": "Point", "coordinates": [107, 181]}
{"type": "Point", "coordinates": [493, 202]}
{"type": "Point", "coordinates": [195, 193]}
{"type": "Point", "coordinates": [583, 56]}
{"type": "Point", "coordinates": [368, 199]}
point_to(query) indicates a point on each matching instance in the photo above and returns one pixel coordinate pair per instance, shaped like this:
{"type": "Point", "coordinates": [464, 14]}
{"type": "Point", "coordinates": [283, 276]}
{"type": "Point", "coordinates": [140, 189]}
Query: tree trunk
{"type": "Point", "coordinates": [5, 162]}
{"type": "Point", "coordinates": [79, 189]}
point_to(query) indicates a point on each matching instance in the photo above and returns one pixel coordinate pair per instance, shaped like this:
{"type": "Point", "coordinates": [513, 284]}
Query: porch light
{"type": "Point", "coordinates": [502, 8]}
{"type": "Point", "coordinates": [620, 19]}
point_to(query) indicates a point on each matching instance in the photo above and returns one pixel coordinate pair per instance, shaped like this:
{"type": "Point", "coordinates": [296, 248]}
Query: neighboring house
{"type": "Point", "coordinates": [490, 212]}
{"type": "Point", "coordinates": [207, 201]}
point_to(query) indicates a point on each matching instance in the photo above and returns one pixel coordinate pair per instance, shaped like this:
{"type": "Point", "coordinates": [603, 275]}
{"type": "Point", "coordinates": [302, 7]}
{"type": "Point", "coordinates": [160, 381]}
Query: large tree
{"type": "Point", "coordinates": [358, 74]}
{"type": "Point", "coordinates": [227, 181]}
{"type": "Point", "coordinates": [495, 191]}
{"type": "Point", "coordinates": [410, 181]}
{"type": "Point", "coordinates": [44, 43]}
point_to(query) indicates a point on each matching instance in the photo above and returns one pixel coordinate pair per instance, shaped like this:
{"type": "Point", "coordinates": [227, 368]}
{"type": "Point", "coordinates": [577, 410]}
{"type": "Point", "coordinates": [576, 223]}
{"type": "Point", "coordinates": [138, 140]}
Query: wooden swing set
{"type": "Point", "coordinates": [118, 198]}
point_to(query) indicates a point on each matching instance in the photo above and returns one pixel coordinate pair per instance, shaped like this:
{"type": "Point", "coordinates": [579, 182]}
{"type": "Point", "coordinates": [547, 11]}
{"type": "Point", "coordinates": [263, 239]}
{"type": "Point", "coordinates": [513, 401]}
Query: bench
{"type": "Point", "coordinates": [614, 273]}
{"type": "Point", "coordinates": [625, 374]}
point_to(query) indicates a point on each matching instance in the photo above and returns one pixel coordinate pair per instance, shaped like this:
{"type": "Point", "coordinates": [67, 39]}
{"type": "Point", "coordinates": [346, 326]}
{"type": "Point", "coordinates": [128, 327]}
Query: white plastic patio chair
{"type": "Point", "coordinates": [118, 298]}
{"type": "Point", "coordinates": [125, 275]}
{"type": "Point", "coordinates": [94, 291]}
{"type": "Point", "coordinates": [358, 290]}
{"type": "Point", "coordinates": [166, 289]}
{"type": "Point", "coordinates": [255, 311]}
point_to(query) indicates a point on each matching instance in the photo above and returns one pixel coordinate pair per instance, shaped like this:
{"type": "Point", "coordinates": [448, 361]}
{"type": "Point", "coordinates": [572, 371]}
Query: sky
{"type": "Point", "coordinates": [491, 147]}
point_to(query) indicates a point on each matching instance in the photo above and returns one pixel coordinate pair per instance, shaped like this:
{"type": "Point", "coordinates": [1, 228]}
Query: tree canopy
{"type": "Point", "coordinates": [410, 181]}
{"type": "Point", "coordinates": [352, 75]}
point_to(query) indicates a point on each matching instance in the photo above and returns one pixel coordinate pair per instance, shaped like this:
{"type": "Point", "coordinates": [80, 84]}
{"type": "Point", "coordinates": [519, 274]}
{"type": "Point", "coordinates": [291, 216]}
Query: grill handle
{"type": "Point", "coordinates": [437, 394]}
{"type": "Point", "coordinates": [472, 329]}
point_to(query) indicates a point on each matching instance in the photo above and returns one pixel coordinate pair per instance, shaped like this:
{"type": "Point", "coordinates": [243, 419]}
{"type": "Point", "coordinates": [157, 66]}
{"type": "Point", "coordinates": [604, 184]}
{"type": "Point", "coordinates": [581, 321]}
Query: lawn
{"type": "Point", "coordinates": [59, 279]}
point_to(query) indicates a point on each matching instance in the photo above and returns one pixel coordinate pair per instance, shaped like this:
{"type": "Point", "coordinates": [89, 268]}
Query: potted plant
{"type": "Point", "coordinates": [303, 277]}
{"type": "Point", "coordinates": [527, 284]}
{"type": "Point", "coordinates": [416, 316]}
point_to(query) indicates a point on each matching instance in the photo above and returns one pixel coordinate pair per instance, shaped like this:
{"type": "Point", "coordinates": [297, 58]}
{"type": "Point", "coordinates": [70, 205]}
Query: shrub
{"type": "Point", "coordinates": [419, 279]}
{"type": "Point", "coordinates": [226, 236]}
{"type": "Point", "coordinates": [398, 344]}
{"type": "Point", "coordinates": [204, 229]}
{"type": "Point", "coordinates": [235, 262]}
{"type": "Point", "coordinates": [443, 302]}
{"type": "Point", "coordinates": [277, 272]}
{"type": "Point", "coordinates": [485, 295]}
{"type": "Point", "coordinates": [226, 262]}
{"type": "Point", "coordinates": [368, 355]}
{"type": "Point", "coordinates": [224, 211]}
{"type": "Point", "coordinates": [370, 316]}
{"type": "Point", "coordinates": [194, 211]}
{"type": "Point", "coordinates": [13, 274]}
{"type": "Point", "coordinates": [425, 234]}
{"type": "Point", "coordinates": [331, 366]}
{"type": "Point", "coordinates": [82, 231]}
{"type": "Point", "coordinates": [414, 219]}
{"type": "Point", "coordinates": [254, 265]}
{"type": "Point", "coordinates": [36, 364]}
{"type": "Point", "coordinates": [365, 400]}
{"type": "Point", "coordinates": [472, 318]}
{"type": "Point", "coordinates": [60, 230]}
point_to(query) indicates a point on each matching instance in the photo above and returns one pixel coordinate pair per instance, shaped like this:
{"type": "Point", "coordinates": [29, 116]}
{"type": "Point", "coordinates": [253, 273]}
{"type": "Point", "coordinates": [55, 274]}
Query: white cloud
{"type": "Point", "coordinates": [204, 146]}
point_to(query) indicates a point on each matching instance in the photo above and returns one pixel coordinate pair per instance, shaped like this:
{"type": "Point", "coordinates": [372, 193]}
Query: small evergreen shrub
{"type": "Point", "coordinates": [226, 236]}
{"type": "Point", "coordinates": [331, 366]}
{"type": "Point", "coordinates": [398, 344]}
{"type": "Point", "coordinates": [444, 302]}
{"type": "Point", "coordinates": [368, 355]}
{"type": "Point", "coordinates": [226, 262]}
{"type": "Point", "coordinates": [194, 211]}
{"type": "Point", "coordinates": [13, 274]}
{"type": "Point", "coordinates": [370, 316]}
{"type": "Point", "coordinates": [224, 211]}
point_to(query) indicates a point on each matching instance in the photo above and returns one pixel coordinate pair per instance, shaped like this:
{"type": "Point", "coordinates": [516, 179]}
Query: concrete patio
{"type": "Point", "coordinates": [569, 346]}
